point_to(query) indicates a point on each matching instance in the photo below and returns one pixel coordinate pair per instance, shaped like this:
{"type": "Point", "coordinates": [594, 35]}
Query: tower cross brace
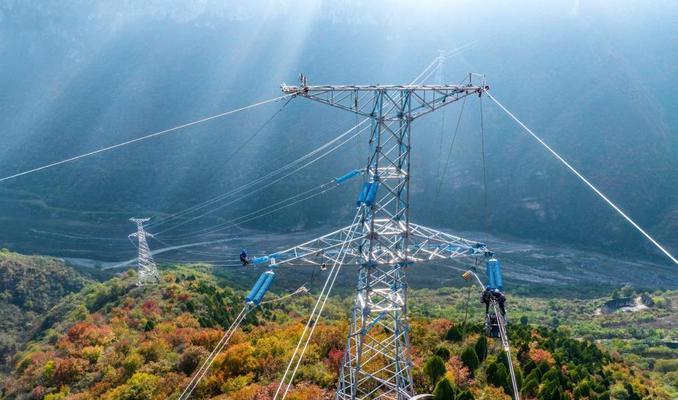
{"type": "Point", "coordinates": [377, 359]}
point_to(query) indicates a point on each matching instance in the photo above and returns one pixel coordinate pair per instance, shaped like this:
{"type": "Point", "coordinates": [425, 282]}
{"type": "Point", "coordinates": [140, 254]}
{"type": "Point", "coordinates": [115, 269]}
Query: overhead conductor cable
{"type": "Point", "coordinates": [139, 139]}
{"type": "Point", "coordinates": [586, 181]}
{"type": "Point", "coordinates": [259, 188]}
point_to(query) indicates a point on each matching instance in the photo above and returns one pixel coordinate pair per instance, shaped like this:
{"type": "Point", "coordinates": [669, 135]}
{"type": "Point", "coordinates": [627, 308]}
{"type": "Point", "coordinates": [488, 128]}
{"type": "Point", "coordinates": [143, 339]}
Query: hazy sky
{"type": "Point", "coordinates": [594, 78]}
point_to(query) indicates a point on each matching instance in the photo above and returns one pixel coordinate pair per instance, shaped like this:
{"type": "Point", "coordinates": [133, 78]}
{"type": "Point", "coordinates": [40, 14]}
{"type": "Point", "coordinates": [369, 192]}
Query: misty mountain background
{"type": "Point", "coordinates": [596, 80]}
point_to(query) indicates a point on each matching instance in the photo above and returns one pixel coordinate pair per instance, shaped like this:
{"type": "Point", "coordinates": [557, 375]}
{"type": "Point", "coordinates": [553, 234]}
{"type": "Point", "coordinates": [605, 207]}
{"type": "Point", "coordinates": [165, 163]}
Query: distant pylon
{"type": "Point", "coordinates": [148, 271]}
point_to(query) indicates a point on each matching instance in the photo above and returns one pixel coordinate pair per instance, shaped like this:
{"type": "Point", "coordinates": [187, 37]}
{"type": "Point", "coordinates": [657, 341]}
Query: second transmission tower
{"type": "Point", "coordinates": [148, 271]}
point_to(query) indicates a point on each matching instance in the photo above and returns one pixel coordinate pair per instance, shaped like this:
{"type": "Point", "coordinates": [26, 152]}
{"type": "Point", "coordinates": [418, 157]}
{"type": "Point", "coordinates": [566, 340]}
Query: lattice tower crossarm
{"type": "Point", "coordinates": [148, 271]}
{"type": "Point", "coordinates": [377, 361]}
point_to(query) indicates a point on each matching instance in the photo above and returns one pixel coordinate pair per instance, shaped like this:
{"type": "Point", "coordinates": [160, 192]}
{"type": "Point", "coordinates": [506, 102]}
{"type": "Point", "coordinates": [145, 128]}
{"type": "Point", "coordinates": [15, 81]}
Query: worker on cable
{"type": "Point", "coordinates": [493, 293]}
{"type": "Point", "coordinates": [243, 257]}
{"type": "Point", "coordinates": [500, 299]}
{"type": "Point", "coordinates": [485, 298]}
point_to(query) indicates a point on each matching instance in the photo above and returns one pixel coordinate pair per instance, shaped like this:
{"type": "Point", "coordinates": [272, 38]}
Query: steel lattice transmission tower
{"type": "Point", "coordinates": [377, 361]}
{"type": "Point", "coordinates": [148, 271]}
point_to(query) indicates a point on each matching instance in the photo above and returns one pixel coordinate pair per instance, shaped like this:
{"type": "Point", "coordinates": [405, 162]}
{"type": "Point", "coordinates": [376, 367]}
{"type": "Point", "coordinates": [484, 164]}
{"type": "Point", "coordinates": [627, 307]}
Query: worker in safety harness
{"type": "Point", "coordinates": [492, 293]}
{"type": "Point", "coordinates": [243, 257]}
{"type": "Point", "coordinates": [501, 300]}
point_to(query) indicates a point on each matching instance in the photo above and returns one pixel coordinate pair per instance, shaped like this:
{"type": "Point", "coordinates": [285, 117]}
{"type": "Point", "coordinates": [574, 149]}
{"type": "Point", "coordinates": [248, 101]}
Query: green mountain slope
{"type": "Point", "coordinates": [29, 287]}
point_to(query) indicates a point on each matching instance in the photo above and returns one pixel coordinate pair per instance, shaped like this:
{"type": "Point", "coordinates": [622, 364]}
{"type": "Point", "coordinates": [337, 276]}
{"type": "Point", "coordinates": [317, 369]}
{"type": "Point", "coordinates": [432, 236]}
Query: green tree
{"type": "Point", "coordinates": [444, 390]}
{"type": "Point", "coordinates": [524, 320]}
{"type": "Point", "coordinates": [553, 375]}
{"type": "Point", "coordinates": [481, 348]}
{"type": "Point", "coordinates": [454, 334]}
{"type": "Point", "coordinates": [498, 376]}
{"type": "Point", "coordinates": [543, 367]}
{"type": "Point", "coordinates": [470, 359]}
{"type": "Point", "coordinates": [627, 291]}
{"type": "Point", "coordinates": [434, 369]}
{"type": "Point", "coordinates": [190, 359]}
{"type": "Point", "coordinates": [465, 395]}
{"type": "Point", "coordinates": [530, 387]}
{"type": "Point", "coordinates": [150, 324]}
{"type": "Point", "coordinates": [632, 394]}
{"type": "Point", "coordinates": [550, 391]}
{"type": "Point", "coordinates": [582, 390]}
{"type": "Point", "coordinates": [443, 352]}
{"type": "Point", "coordinates": [141, 386]}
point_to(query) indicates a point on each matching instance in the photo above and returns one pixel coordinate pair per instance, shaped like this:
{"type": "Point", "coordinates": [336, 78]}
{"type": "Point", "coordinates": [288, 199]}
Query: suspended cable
{"type": "Point", "coordinates": [197, 377]}
{"type": "Point", "coordinates": [583, 179]}
{"type": "Point", "coordinates": [501, 323]}
{"type": "Point", "coordinates": [238, 221]}
{"type": "Point", "coordinates": [441, 80]}
{"type": "Point", "coordinates": [434, 62]}
{"type": "Point", "coordinates": [484, 168]}
{"type": "Point", "coordinates": [263, 178]}
{"type": "Point", "coordinates": [507, 348]}
{"type": "Point", "coordinates": [299, 291]}
{"type": "Point", "coordinates": [204, 368]}
{"type": "Point", "coordinates": [295, 199]}
{"type": "Point", "coordinates": [271, 174]}
{"type": "Point", "coordinates": [262, 187]}
{"type": "Point", "coordinates": [449, 154]}
{"type": "Point", "coordinates": [235, 220]}
{"type": "Point", "coordinates": [115, 146]}
{"type": "Point", "coordinates": [443, 55]}
{"type": "Point", "coordinates": [75, 236]}
{"type": "Point", "coordinates": [459, 50]}
{"type": "Point", "coordinates": [235, 153]}
{"type": "Point", "coordinates": [312, 320]}
{"type": "Point", "coordinates": [431, 72]}
{"type": "Point", "coordinates": [468, 296]}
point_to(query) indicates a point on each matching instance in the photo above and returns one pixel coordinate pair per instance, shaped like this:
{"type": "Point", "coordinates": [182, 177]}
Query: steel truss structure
{"type": "Point", "coordinates": [148, 271]}
{"type": "Point", "coordinates": [377, 360]}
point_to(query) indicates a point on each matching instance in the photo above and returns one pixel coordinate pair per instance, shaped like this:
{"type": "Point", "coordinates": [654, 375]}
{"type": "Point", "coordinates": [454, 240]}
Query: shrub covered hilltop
{"type": "Point", "coordinates": [113, 340]}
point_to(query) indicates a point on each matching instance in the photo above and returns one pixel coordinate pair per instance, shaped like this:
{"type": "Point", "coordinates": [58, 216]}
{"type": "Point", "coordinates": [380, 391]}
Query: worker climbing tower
{"type": "Point", "coordinates": [382, 241]}
{"type": "Point", "coordinates": [148, 271]}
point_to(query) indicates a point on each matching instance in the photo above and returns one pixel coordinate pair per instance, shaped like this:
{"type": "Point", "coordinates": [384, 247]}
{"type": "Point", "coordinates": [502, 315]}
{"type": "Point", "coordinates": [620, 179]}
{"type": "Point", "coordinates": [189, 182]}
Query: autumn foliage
{"type": "Point", "coordinates": [119, 341]}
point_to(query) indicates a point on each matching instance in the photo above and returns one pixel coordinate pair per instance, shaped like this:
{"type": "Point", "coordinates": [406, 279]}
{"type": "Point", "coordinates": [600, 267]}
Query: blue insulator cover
{"type": "Point", "coordinates": [256, 287]}
{"type": "Point", "coordinates": [490, 273]}
{"type": "Point", "coordinates": [363, 194]}
{"type": "Point", "coordinates": [259, 260]}
{"type": "Point", "coordinates": [494, 276]}
{"type": "Point", "coordinates": [499, 279]}
{"type": "Point", "coordinates": [264, 287]}
{"type": "Point", "coordinates": [347, 176]}
{"type": "Point", "coordinates": [371, 194]}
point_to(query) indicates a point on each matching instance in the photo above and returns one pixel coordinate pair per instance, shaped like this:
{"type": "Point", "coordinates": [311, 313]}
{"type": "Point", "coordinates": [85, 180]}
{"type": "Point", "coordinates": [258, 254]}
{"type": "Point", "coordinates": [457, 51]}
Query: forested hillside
{"type": "Point", "coordinates": [115, 340]}
{"type": "Point", "coordinates": [29, 288]}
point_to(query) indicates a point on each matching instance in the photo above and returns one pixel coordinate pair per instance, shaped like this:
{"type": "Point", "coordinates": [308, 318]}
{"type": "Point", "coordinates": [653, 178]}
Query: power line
{"type": "Point", "coordinates": [438, 60]}
{"type": "Point", "coordinates": [115, 146]}
{"type": "Point", "coordinates": [197, 377]}
{"type": "Point", "coordinates": [447, 160]}
{"type": "Point", "coordinates": [484, 168]}
{"type": "Point", "coordinates": [259, 188]}
{"type": "Point", "coordinates": [271, 174]}
{"type": "Point", "coordinates": [266, 211]}
{"type": "Point", "coordinates": [586, 181]}
{"type": "Point", "coordinates": [317, 310]}
{"type": "Point", "coordinates": [232, 157]}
